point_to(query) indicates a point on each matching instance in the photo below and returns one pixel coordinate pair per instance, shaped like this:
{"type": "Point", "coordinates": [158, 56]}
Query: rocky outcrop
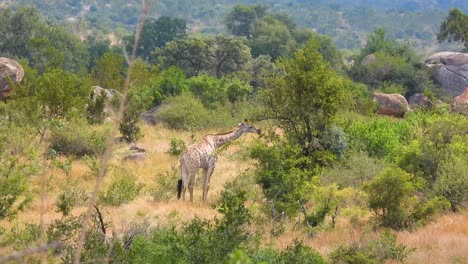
{"type": "Point", "coordinates": [150, 117]}
{"type": "Point", "coordinates": [419, 100]}
{"type": "Point", "coordinates": [460, 103]}
{"type": "Point", "coordinates": [368, 59]}
{"type": "Point", "coordinates": [10, 70]}
{"type": "Point", "coordinates": [450, 71]}
{"type": "Point", "coordinates": [391, 104]}
{"type": "Point", "coordinates": [138, 156]}
{"type": "Point", "coordinates": [137, 153]}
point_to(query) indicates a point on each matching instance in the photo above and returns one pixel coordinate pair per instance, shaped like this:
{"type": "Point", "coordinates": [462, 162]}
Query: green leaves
{"type": "Point", "coordinates": [454, 27]}
{"type": "Point", "coordinates": [217, 56]}
{"type": "Point", "coordinates": [305, 97]}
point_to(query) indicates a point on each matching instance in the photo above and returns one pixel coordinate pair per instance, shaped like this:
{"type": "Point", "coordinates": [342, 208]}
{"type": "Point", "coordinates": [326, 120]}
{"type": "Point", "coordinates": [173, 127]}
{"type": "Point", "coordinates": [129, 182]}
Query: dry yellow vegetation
{"type": "Point", "coordinates": [442, 241]}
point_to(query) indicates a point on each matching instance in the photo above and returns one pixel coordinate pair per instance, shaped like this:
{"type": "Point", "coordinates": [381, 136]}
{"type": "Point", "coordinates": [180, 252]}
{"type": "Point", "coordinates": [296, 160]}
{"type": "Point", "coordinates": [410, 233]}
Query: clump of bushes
{"type": "Point", "coordinates": [165, 184]}
{"type": "Point", "coordinates": [391, 195]}
{"type": "Point", "coordinates": [188, 113]}
{"type": "Point", "coordinates": [123, 189]}
{"type": "Point", "coordinates": [78, 139]}
{"type": "Point", "coordinates": [377, 250]}
{"type": "Point", "coordinates": [176, 147]}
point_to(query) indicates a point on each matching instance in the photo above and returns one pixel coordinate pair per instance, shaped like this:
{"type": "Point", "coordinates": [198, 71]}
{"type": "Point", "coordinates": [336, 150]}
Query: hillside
{"type": "Point", "coordinates": [347, 22]}
{"type": "Point", "coordinates": [282, 147]}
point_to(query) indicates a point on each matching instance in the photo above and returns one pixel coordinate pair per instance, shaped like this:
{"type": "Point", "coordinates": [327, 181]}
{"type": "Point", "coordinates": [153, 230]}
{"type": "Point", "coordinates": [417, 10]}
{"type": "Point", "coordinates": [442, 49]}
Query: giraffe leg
{"type": "Point", "coordinates": [205, 175]}
{"type": "Point", "coordinates": [185, 177]}
{"type": "Point", "coordinates": [191, 183]}
{"type": "Point", "coordinates": [207, 181]}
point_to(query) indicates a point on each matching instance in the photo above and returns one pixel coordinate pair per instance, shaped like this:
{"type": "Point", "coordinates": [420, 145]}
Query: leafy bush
{"type": "Point", "coordinates": [300, 254]}
{"type": "Point", "coordinates": [165, 184]}
{"type": "Point", "coordinates": [184, 112]}
{"type": "Point", "coordinates": [353, 171]}
{"type": "Point", "coordinates": [136, 104]}
{"type": "Point", "coordinates": [379, 136]}
{"type": "Point", "coordinates": [171, 82]}
{"type": "Point", "coordinates": [199, 241]}
{"type": "Point", "coordinates": [452, 182]}
{"type": "Point", "coordinates": [123, 189]}
{"type": "Point", "coordinates": [77, 138]}
{"type": "Point", "coordinates": [95, 109]}
{"type": "Point", "coordinates": [21, 238]}
{"type": "Point", "coordinates": [19, 159]}
{"type": "Point", "coordinates": [176, 146]}
{"type": "Point", "coordinates": [391, 197]}
{"type": "Point", "coordinates": [284, 175]}
{"type": "Point", "coordinates": [372, 252]}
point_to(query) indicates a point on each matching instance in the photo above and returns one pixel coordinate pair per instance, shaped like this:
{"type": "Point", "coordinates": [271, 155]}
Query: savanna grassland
{"type": "Point", "coordinates": [90, 141]}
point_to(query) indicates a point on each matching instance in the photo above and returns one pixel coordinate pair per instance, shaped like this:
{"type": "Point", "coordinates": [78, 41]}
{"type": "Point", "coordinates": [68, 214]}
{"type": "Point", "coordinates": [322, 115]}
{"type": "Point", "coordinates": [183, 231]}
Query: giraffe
{"type": "Point", "coordinates": [203, 155]}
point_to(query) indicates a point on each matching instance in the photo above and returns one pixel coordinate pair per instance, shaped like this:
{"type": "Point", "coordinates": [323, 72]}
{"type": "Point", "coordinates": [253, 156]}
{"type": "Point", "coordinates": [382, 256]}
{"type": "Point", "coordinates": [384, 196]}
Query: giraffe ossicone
{"type": "Point", "coordinates": [203, 156]}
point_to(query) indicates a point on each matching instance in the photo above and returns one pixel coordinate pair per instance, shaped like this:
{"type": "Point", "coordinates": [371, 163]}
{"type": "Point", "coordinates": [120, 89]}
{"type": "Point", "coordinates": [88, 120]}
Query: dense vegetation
{"type": "Point", "coordinates": [324, 154]}
{"type": "Point", "coordinates": [346, 22]}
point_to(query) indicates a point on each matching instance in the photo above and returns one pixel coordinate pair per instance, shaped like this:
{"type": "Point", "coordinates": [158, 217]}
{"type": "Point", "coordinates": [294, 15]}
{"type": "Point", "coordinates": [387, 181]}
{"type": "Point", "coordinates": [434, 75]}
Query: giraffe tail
{"type": "Point", "coordinates": [179, 189]}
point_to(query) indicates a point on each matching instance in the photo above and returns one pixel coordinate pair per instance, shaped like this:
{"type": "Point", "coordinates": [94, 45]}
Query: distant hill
{"type": "Point", "coordinates": [346, 21]}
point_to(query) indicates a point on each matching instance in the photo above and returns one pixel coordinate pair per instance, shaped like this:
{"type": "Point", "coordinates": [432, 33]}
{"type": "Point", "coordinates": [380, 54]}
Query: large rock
{"type": "Point", "coordinates": [391, 104]}
{"type": "Point", "coordinates": [368, 59]}
{"type": "Point", "coordinates": [419, 100]}
{"type": "Point", "coordinates": [9, 70]}
{"type": "Point", "coordinates": [450, 71]}
{"type": "Point", "coordinates": [460, 103]}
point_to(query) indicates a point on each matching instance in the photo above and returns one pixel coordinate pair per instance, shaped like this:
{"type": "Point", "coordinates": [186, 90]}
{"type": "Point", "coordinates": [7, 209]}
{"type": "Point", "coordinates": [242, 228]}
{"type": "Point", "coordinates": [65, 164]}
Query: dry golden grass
{"type": "Point", "coordinates": [444, 241]}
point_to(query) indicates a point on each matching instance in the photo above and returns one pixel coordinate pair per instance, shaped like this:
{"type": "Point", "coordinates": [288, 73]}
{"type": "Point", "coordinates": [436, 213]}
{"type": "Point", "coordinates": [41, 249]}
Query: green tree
{"type": "Point", "coordinates": [217, 56]}
{"type": "Point", "coordinates": [241, 20]}
{"type": "Point", "coordinates": [61, 92]}
{"type": "Point", "coordinates": [305, 97]}
{"type": "Point", "coordinates": [391, 195]}
{"type": "Point", "coordinates": [454, 27]}
{"type": "Point", "coordinates": [156, 33]}
{"type": "Point", "coordinates": [26, 35]}
{"type": "Point", "coordinates": [96, 48]}
{"type": "Point", "coordinates": [272, 37]}
{"type": "Point", "coordinates": [109, 71]}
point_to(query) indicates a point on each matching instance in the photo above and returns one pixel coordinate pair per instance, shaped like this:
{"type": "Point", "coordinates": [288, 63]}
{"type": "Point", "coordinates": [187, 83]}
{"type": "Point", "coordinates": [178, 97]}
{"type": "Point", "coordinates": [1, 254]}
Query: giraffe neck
{"type": "Point", "coordinates": [221, 139]}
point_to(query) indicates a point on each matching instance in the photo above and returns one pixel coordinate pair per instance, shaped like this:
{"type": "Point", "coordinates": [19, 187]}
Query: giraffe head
{"type": "Point", "coordinates": [248, 128]}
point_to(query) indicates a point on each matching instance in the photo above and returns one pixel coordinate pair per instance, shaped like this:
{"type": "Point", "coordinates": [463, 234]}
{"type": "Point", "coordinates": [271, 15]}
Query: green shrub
{"type": "Point", "coordinates": [21, 238]}
{"type": "Point", "coordinates": [300, 254]}
{"type": "Point", "coordinates": [95, 108]}
{"type": "Point", "coordinates": [129, 126]}
{"type": "Point", "coordinates": [198, 241]}
{"type": "Point", "coordinates": [391, 195]}
{"type": "Point", "coordinates": [172, 82]}
{"type": "Point", "coordinates": [176, 146]}
{"type": "Point", "coordinates": [387, 194]}
{"type": "Point", "coordinates": [184, 112]}
{"type": "Point", "coordinates": [285, 176]}
{"type": "Point", "coordinates": [137, 102]}
{"type": "Point", "coordinates": [165, 184]}
{"type": "Point", "coordinates": [452, 182]}
{"type": "Point", "coordinates": [379, 136]}
{"type": "Point", "coordinates": [353, 171]}
{"type": "Point", "coordinates": [372, 251]}
{"type": "Point", "coordinates": [123, 189]}
{"type": "Point", "coordinates": [77, 138]}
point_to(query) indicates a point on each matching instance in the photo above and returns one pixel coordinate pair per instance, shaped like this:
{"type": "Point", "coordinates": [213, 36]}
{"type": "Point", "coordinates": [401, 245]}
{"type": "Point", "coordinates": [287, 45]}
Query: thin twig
{"type": "Point", "coordinates": [107, 153]}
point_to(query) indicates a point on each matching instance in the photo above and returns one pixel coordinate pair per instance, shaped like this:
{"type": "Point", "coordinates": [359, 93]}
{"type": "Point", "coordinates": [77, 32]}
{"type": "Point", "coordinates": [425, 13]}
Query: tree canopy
{"type": "Point", "coordinates": [454, 27]}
